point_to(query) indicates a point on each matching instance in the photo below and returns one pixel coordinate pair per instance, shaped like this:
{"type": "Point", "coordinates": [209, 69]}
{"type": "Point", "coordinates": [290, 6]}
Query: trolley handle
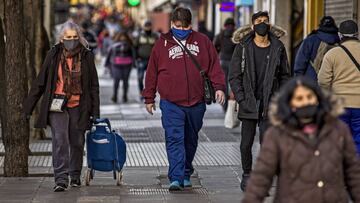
{"type": "Point", "coordinates": [102, 121]}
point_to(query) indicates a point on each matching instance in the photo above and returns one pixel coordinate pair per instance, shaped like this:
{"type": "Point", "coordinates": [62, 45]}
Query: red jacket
{"type": "Point", "coordinates": [176, 77]}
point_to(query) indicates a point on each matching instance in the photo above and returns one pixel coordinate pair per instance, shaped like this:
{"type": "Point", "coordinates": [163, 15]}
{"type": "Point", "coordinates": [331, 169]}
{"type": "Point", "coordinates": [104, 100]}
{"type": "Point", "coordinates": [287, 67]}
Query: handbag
{"type": "Point", "coordinates": [231, 120]}
{"type": "Point", "coordinates": [209, 92]}
{"type": "Point", "coordinates": [58, 103]}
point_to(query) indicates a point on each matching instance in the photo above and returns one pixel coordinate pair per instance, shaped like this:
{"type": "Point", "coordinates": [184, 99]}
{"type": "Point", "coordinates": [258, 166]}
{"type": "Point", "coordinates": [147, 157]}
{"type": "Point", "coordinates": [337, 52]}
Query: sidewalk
{"type": "Point", "coordinates": [217, 162]}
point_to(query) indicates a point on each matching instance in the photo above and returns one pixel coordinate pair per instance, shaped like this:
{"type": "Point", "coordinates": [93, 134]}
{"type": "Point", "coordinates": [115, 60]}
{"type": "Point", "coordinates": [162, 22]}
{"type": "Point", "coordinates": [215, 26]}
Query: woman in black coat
{"type": "Point", "coordinates": [69, 87]}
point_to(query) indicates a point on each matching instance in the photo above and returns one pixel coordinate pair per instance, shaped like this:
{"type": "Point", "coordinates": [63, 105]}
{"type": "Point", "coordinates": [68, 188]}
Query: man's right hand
{"type": "Point", "coordinates": [150, 108]}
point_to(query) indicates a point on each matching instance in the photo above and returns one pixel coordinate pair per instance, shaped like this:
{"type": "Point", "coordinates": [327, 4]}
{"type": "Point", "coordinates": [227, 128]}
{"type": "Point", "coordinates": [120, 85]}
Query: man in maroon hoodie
{"type": "Point", "coordinates": [172, 73]}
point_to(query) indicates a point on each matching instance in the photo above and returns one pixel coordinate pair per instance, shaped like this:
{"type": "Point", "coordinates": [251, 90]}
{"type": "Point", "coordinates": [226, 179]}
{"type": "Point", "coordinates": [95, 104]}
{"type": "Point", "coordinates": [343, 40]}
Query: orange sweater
{"type": "Point", "coordinates": [74, 99]}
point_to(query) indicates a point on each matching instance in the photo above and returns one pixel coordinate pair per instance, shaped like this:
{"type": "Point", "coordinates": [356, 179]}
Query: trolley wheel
{"type": "Point", "coordinates": [119, 176]}
{"type": "Point", "coordinates": [88, 177]}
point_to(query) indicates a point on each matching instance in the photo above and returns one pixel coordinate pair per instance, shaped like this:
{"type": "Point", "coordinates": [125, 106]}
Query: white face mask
{"type": "Point", "coordinates": [341, 36]}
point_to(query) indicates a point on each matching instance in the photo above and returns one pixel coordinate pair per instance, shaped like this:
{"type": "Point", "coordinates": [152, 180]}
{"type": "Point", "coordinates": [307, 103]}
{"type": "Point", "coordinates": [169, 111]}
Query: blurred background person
{"type": "Point", "coordinates": [225, 47]}
{"type": "Point", "coordinates": [112, 25]}
{"type": "Point", "coordinates": [104, 42]}
{"type": "Point", "coordinates": [144, 44]}
{"type": "Point", "coordinates": [312, 50]}
{"type": "Point", "coordinates": [202, 28]}
{"type": "Point", "coordinates": [89, 35]}
{"type": "Point", "coordinates": [119, 60]}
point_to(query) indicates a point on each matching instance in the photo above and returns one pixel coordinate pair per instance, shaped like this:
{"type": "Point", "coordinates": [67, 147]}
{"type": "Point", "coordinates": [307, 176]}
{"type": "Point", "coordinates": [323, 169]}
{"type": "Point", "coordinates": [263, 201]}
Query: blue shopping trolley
{"type": "Point", "coordinates": [106, 151]}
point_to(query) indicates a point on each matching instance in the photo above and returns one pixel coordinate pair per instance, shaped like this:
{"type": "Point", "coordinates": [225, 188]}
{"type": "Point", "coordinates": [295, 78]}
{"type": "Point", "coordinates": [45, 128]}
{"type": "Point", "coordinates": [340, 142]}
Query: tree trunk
{"type": "Point", "coordinates": [2, 74]}
{"type": "Point", "coordinates": [42, 46]}
{"type": "Point", "coordinates": [15, 128]}
{"type": "Point", "coordinates": [33, 22]}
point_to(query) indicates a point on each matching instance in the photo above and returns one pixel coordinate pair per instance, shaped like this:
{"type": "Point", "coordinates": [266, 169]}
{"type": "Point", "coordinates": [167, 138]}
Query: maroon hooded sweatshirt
{"type": "Point", "coordinates": [171, 71]}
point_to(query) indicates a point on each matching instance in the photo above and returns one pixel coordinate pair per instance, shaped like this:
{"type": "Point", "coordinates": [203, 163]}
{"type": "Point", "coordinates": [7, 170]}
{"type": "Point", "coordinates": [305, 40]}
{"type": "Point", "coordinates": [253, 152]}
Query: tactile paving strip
{"type": "Point", "coordinates": [155, 191]}
{"type": "Point", "coordinates": [154, 154]}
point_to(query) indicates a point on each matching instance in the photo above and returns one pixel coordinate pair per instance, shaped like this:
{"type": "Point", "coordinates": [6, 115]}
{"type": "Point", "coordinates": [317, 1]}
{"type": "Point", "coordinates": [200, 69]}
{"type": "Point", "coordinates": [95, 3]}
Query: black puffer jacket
{"type": "Point", "coordinates": [243, 80]}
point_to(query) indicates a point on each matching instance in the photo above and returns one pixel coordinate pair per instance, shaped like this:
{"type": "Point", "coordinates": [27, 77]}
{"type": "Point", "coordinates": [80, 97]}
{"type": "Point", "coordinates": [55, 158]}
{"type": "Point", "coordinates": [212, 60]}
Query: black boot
{"type": "Point", "coordinates": [114, 99]}
{"type": "Point", "coordinates": [245, 178]}
{"type": "Point", "coordinates": [125, 99]}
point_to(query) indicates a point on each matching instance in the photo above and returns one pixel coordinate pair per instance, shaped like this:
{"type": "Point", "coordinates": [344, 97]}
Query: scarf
{"type": "Point", "coordinates": [71, 77]}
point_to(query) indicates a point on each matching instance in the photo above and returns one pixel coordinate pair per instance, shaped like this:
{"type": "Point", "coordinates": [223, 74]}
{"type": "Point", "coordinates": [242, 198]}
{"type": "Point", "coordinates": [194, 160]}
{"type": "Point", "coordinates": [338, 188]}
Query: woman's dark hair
{"type": "Point", "coordinates": [282, 101]}
{"type": "Point", "coordinates": [117, 37]}
{"type": "Point", "coordinates": [183, 15]}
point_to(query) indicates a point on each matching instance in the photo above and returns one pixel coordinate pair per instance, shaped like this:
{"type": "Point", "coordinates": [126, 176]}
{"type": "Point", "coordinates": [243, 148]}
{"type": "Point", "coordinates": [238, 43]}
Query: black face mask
{"type": "Point", "coordinates": [148, 32]}
{"type": "Point", "coordinates": [262, 29]}
{"type": "Point", "coordinates": [307, 114]}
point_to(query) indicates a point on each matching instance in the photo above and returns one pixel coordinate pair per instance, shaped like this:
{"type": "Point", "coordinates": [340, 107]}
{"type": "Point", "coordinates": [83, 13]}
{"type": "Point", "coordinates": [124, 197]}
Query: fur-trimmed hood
{"type": "Point", "coordinates": [337, 108]}
{"type": "Point", "coordinates": [241, 32]}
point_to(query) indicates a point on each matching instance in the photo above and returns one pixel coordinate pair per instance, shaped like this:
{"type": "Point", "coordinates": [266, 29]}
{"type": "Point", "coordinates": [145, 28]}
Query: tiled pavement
{"type": "Point", "coordinates": [217, 162]}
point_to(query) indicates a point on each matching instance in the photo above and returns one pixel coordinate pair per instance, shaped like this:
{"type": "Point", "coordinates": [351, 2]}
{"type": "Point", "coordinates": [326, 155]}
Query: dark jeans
{"type": "Point", "coordinates": [121, 73]}
{"type": "Point", "coordinates": [141, 69]}
{"type": "Point", "coordinates": [352, 118]}
{"type": "Point", "coordinates": [225, 65]}
{"type": "Point", "coordinates": [182, 125]}
{"type": "Point", "coordinates": [248, 132]}
{"type": "Point", "coordinates": [67, 145]}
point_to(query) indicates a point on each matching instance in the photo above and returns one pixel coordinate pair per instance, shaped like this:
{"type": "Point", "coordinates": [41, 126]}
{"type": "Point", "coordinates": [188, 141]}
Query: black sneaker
{"type": "Point", "coordinates": [75, 183]}
{"type": "Point", "coordinates": [60, 187]}
{"type": "Point", "coordinates": [245, 178]}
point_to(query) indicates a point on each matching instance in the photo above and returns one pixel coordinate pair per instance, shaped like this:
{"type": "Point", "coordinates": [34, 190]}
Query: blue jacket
{"type": "Point", "coordinates": [308, 50]}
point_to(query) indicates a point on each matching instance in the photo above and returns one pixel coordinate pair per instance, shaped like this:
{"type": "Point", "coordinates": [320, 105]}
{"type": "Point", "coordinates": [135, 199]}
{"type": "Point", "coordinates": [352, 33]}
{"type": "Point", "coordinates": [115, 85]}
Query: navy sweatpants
{"type": "Point", "coordinates": [352, 119]}
{"type": "Point", "coordinates": [182, 125]}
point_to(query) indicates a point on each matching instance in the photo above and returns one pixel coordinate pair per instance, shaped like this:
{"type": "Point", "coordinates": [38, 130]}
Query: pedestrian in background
{"type": "Point", "coordinates": [144, 44]}
{"type": "Point", "coordinates": [225, 47]}
{"type": "Point", "coordinates": [120, 60]}
{"type": "Point", "coordinates": [104, 41]}
{"type": "Point", "coordinates": [202, 29]}
{"type": "Point", "coordinates": [68, 76]}
{"type": "Point", "coordinates": [112, 24]}
{"type": "Point", "coordinates": [340, 73]}
{"type": "Point", "coordinates": [258, 67]}
{"type": "Point", "coordinates": [181, 87]}
{"type": "Point", "coordinates": [308, 148]}
{"type": "Point", "coordinates": [312, 50]}
{"type": "Point", "coordinates": [89, 35]}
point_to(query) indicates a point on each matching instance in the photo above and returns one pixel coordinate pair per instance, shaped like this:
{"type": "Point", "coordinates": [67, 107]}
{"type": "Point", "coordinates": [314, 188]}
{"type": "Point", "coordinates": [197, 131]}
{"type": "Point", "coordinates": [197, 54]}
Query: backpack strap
{"type": "Point", "coordinates": [195, 62]}
{"type": "Point", "coordinates": [351, 56]}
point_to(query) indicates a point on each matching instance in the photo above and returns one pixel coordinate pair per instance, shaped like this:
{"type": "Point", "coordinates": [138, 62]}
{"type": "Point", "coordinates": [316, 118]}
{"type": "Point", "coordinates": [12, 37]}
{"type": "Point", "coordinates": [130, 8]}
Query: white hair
{"type": "Point", "coordinates": [70, 25]}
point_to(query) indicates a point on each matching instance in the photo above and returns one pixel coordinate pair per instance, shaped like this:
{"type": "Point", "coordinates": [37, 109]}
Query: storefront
{"type": "Point", "coordinates": [341, 10]}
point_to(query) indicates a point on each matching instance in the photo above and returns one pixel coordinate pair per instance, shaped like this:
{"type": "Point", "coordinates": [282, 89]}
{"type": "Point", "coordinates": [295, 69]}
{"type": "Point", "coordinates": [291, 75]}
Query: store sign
{"type": "Point", "coordinates": [227, 7]}
{"type": "Point", "coordinates": [244, 2]}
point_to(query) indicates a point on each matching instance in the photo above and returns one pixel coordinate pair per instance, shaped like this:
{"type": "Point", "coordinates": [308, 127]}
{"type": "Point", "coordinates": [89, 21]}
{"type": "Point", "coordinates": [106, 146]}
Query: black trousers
{"type": "Point", "coordinates": [248, 132]}
{"type": "Point", "coordinates": [118, 74]}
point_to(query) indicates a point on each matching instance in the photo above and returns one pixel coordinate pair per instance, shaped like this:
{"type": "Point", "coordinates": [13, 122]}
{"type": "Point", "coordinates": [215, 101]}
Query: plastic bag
{"type": "Point", "coordinates": [231, 120]}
